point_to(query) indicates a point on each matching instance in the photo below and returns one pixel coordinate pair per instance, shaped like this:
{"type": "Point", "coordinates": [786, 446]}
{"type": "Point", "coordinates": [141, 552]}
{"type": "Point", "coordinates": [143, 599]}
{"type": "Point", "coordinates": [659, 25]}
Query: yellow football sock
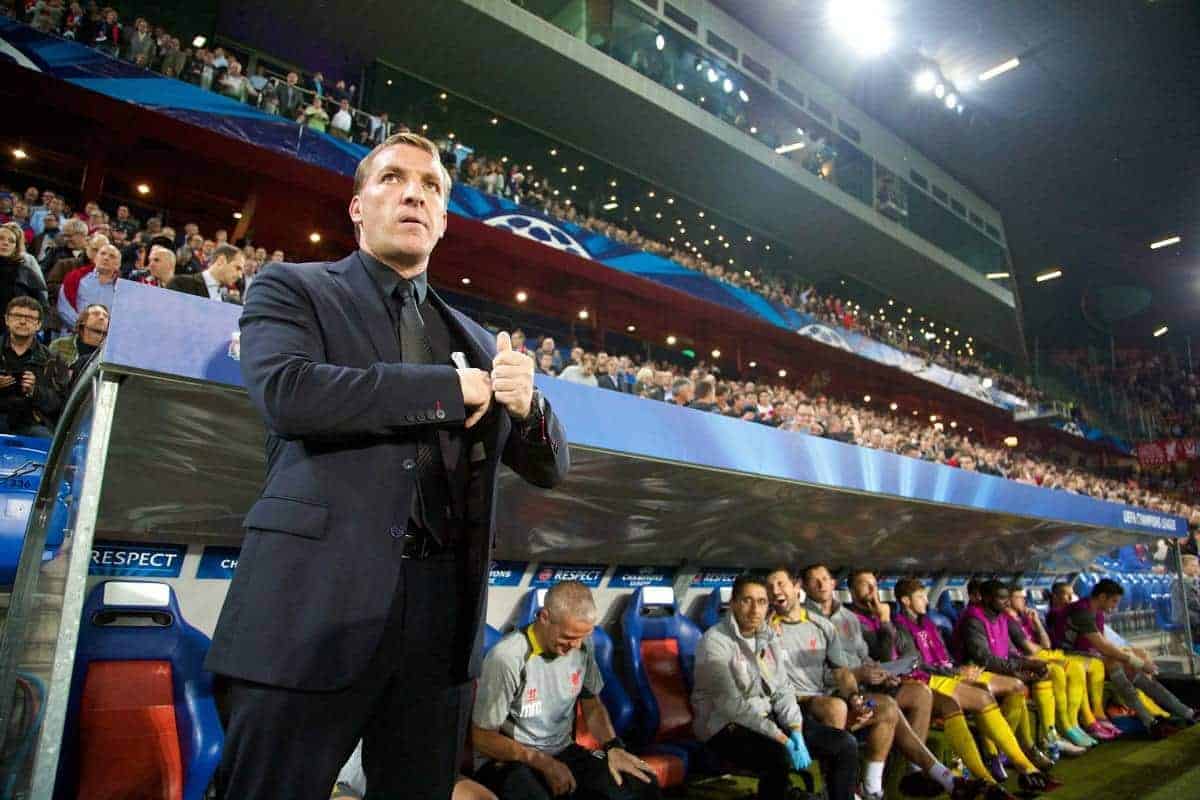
{"type": "Point", "coordinates": [1045, 695]}
{"type": "Point", "coordinates": [1016, 713]}
{"type": "Point", "coordinates": [993, 725]}
{"type": "Point", "coordinates": [1075, 693]}
{"type": "Point", "coordinates": [1154, 708]}
{"type": "Point", "coordinates": [960, 738]}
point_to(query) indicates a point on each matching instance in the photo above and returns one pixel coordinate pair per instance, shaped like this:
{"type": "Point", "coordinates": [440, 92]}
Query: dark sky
{"type": "Point", "coordinates": [1090, 149]}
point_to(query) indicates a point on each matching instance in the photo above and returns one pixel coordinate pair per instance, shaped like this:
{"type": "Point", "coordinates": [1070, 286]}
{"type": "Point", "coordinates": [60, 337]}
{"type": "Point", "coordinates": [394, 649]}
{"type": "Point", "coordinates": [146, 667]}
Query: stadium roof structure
{"type": "Point", "coordinates": [1088, 149]}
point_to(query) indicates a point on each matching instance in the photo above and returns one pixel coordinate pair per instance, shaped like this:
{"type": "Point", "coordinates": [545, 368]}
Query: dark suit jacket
{"type": "Point", "coordinates": [319, 566]}
{"type": "Point", "coordinates": [189, 284]}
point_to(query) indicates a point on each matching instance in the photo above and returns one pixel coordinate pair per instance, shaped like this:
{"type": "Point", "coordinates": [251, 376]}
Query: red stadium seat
{"type": "Point", "coordinates": [141, 720]}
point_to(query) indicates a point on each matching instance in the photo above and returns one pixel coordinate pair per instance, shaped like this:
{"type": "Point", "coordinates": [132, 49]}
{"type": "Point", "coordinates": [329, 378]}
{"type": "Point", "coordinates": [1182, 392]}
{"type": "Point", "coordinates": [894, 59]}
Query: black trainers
{"type": "Point", "coordinates": [967, 788]}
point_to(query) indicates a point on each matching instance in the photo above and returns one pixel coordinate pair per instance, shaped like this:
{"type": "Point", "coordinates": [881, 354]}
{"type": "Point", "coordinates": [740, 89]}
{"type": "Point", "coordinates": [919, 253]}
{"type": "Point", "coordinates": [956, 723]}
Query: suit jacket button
{"type": "Point", "coordinates": [440, 414]}
{"type": "Point", "coordinates": [408, 463]}
{"type": "Point", "coordinates": [396, 531]}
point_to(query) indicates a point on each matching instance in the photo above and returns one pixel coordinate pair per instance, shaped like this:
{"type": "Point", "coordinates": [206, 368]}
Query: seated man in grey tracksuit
{"type": "Point", "coordinates": [746, 711]}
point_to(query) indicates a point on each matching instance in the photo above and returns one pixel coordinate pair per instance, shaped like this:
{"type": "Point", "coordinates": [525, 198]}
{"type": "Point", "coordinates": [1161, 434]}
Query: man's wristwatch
{"type": "Point", "coordinates": [615, 743]}
{"type": "Point", "coordinates": [533, 424]}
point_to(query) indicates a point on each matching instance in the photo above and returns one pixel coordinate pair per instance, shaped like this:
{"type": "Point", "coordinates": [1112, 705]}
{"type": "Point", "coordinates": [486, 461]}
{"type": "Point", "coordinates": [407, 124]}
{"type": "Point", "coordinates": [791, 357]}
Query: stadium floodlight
{"type": "Point", "coordinates": [671, 340]}
{"type": "Point", "coordinates": [987, 383]}
{"type": "Point", "coordinates": [939, 91]}
{"type": "Point", "coordinates": [631, 328]}
{"type": "Point", "coordinates": [19, 154]}
{"type": "Point", "coordinates": [1000, 69]}
{"type": "Point", "coordinates": [951, 101]}
{"type": "Point", "coordinates": [745, 98]}
{"type": "Point", "coordinates": [660, 42]}
{"type": "Point", "coordinates": [893, 406]}
{"type": "Point", "coordinates": [711, 75]}
{"type": "Point", "coordinates": [583, 313]}
{"type": "Point", "coordinates": [609, 206]}
{"type": "Point", "coordinates": [716, 353]}
{"type": "Point", "coordinates": [959, 109]}
{"type": "Point", "coordinates": [752, 364]}
{"type": "Point", "coordinates": [787, 148]}
{"type": "Point", "coordinates": [522, 296]}
{"type": "Point", "coordinates": [1010, 441]}
{"type": "Point", "coordinates": [1170, 240]}
{"type": "Point", "coordinates": [1048, 275]}
{"type": "Point", "coordinates": [863, 24]}
{"type": "Point", "coordinates": [727, 85]}
{"type": "Point", "coordinates": [1160, 332]}
{"type": "Point", "coordinates": [199, 41]}
{"type": "Point", "coordinates": [925, 81]}
{"type": "Point", "coordinates": [998, 276]}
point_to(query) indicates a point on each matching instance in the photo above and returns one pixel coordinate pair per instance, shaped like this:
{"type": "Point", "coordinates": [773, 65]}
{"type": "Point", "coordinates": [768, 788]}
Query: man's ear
{"type": "Point", "coordinates": [355, 210]}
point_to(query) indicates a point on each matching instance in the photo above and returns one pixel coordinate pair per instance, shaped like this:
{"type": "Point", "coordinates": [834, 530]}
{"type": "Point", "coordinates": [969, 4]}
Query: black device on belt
{"type": "Point", "coordinates": [420, 543]}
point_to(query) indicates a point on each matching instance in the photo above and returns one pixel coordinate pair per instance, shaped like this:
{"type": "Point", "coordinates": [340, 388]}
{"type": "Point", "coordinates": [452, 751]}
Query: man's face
{"type": "Point", "coordinates": [50, 222]}
{"type": "Point", "coordinates": [1107, 603]}
{"type": "Point", "coordinates": [819, 585]}
{"type": "Point", "coordinates": [577, 355]}
{"type": "Point", "coordinates": [31, 195]}
{"type": "Point", "coordinates": [546, 362]}
{"type": "Point", "coordinates": [565, 635]}
{"type": "Point", "coordinates": [998, 603]}
{"type": "Point", "coordinates": [750, 607]}
{"type": "Point", "coordinates": [864, 589]}
{"type": "Point", "coordinates": [1191, 567]}
{"type": "Point", "coordinates": [208, 247]}
{"type": "Point", "coordinates": [23, 322]}
{"type": "Point", "coordinates": [222, 236]}
{"type": "Point", "coordinates": [122, 213]}
{"type": "Point", "coordinates": [918, 601]}
{"type": "Point", "coordinates": [160, 265]}
{"type": "Point", "coordinates": [20, 210]}
{"type": "Point", "coordinates": [518, 340]}
{"type": "Point", "coordinates": [77, 240]}
{"type": "Point", "coordinates": [8, 242]}
{"type": "Point", "coordinates": [228, 272]}
{"type": "Point", "coordinates": [190, 230]}
{"type": "Point", "coordinates": [196, 242]}
{"type": "Point", "coordinates": [548, 345]}
{"type": "Point", "coordinates": [783, 592]}
{"type": "Point", "coordinates": [56, 205]}
{"type": "Point", "coordinates": [95, 329]}
{"type": "Point", "coordinates": [1061, 597]}
{"type": "Point", "coordinates": [1017, 601]}
{"type": "Point", "coordinates": [292, 78]}
{"type": "Point", "coordinates": [401, 207]}
{"type": "Point", "coordinates": [260, 254]}
{"type": "Point", "coordinates": [108, 264]}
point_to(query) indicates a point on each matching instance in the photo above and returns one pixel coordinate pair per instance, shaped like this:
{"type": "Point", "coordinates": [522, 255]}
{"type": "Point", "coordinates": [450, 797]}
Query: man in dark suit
{"type": "Point", "coordinates": [358, 604]}
{"type": "Point", "coordinates": [290, 97]}
{"type": "Point", "coordinates": [218, 281]}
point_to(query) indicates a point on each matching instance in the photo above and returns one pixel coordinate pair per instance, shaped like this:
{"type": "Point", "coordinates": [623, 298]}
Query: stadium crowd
{"type": "Point", "coordinates": [333, 107]}
{"type": "Point", "coordinates": [68, 259]}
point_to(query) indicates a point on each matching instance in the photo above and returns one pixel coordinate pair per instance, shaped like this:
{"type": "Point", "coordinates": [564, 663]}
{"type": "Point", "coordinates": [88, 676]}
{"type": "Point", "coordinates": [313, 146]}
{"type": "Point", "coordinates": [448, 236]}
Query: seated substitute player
{"type": "Point", "coordinates": [957, 690]}
{"type": "Point", "coordinates": [826, 689]}
{"type": "Point", "coordinates": [1070, 693]}
{"type": "Point", "coordinates": [1080, 627]}
{"type": "Point", "coordinates": [746, 712]}
{"type": "Point", "coordinates": [988, 637]}
{"type": "Point", "coordinates": [524, 713]}
{"type": "Point", "coordinates": [913, 697]}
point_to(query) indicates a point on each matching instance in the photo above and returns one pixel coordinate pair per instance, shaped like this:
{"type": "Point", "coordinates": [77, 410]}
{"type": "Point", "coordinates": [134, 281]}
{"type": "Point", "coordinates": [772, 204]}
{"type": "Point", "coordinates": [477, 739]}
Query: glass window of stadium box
{"type": "Point", "coordinates": [711, 80]}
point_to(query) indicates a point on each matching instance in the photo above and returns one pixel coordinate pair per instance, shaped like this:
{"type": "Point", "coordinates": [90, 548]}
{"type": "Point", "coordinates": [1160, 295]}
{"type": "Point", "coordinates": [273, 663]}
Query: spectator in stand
{"type": "Point", "coordinates": [378, 129]}
{"type": "Point", "coordinates": [215, 283]}
{"type": "Point", "coordinates": [72, 245]}
{"type": "Point", "coordinates": [107, 36]}
{"type": "Point", "coordinates": [90, 332]}
{"type": "Point", "coordinates": [315, 116]}
{"type": "Point", "coordinates": [68, 292]}
{"type": "Point", "coordinates": [236, 86]}
{"type": "Point", "coordinates": [682, 391]}
{"type": "Point", "coordinates": [340, 125]}
{"type": "Point", "coordinates": [126, 221]}
{"type": "Point", "coordinates": [1185, 596]}
{"type": "Point", "coordinates": [706, 392]}
{"type": "Point", "coordinates": [276, 257]}
{"type": "Point", "coordinates": [191, 257]}
{"type": "Point", "coordinates": [174, 60]}
{"type": "Point", "coordinates": [43, 243]}
{"type": "Point", "coordinates": [316, 84]}
{"type": "Point", "coordinates": [518, 342]}
{"type": "Point", "coordinates": [545, 364]}
{"type": "Point", "coordinates": [583, 371]}
{"type": "Point", "coordinates": [547, 346]}
{"type": "Point", "coordinates": [604, 377]}
{"type": "Point", "coordinates": [220, 60]}
{"type": "Point", "coordinates": [32, 379]}
{"type": "Point", "coordinates": [97, 287]}
{"type": "Point", "coordinates": [20, 275]}
{"type": "Point", "coordinates": [141, 43]}
{"type": "Point", "coordinates": [291, 98]}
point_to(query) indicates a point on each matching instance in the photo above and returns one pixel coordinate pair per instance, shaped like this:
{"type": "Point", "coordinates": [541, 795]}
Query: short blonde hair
{"type": "Point", "coordinates": [362, 172]}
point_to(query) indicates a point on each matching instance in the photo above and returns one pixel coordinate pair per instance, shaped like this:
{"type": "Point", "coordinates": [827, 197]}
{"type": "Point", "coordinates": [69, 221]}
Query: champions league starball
{"type": "Point", "coordinates": [540, 231]}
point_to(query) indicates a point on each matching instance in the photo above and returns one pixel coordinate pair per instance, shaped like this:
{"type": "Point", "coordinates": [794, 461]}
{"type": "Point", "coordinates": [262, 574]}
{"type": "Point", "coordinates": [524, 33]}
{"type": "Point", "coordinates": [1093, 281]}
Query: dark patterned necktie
{"type": "Point", "coordinates": [432, 491]}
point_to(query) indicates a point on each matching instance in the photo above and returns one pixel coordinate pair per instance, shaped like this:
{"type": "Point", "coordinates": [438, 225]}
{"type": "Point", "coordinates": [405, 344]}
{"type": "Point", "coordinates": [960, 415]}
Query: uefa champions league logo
{"type": "Point", "coordinates": [825, 335]}
{"type": "Point", "coordinates": [235, 345]}
{"type": "Point", "coordinates": [540, 231]}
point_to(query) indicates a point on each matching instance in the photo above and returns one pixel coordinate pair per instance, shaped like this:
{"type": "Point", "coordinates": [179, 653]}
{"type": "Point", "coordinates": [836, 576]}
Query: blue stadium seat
{"type": "Point", "coordinates": [943, 623]}
{"type": "Point", "coordinates": [490, 637]}
{"type": "Point", "coordinates": [716, 604]}
{"type": "Point", "coordinates": [141, 716]}
{"type": "Point", "coordinates": [660, 653]}
{"type": "Point", "coordinates": [21, 462]}
{"type": "Point", "coordinates": [530, 606]}
{"type": "Point", "coordinates": [947, 608]}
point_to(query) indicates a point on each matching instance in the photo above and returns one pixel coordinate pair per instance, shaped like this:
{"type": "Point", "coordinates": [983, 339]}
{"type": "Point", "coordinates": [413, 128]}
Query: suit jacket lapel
{"type": "Point", "coordinates": [362, 302]}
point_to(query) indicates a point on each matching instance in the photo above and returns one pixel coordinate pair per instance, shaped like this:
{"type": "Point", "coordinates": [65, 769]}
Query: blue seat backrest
{"type": "Point", "coordinates": [945, 605]}
{"type": "Point", "coordinates": [530, 606]}
{"type": "Point", "coordinates": [490, 637]}
{"type": "Point", "coordinates": [21, 466]}
{"type": "Point", "coordinates": [645, 622]}
{"type": "Point", "coordinates": [168, 637]}
{"type": "Point", "coordinates": [716, 604]}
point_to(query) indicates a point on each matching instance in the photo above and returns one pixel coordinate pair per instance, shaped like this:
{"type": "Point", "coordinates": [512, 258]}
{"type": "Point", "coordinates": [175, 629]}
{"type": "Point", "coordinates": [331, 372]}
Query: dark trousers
{"type": "Point", "coordinates": [835, 750]}
{"type": "Point", "coordinates": [286, 744]}
{"type": "Point", "coordinates": [593, 781]}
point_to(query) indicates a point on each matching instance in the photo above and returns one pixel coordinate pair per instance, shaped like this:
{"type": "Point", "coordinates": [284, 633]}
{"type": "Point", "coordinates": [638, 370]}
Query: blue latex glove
{"type": "Point", "coordinates": [798, 750]}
